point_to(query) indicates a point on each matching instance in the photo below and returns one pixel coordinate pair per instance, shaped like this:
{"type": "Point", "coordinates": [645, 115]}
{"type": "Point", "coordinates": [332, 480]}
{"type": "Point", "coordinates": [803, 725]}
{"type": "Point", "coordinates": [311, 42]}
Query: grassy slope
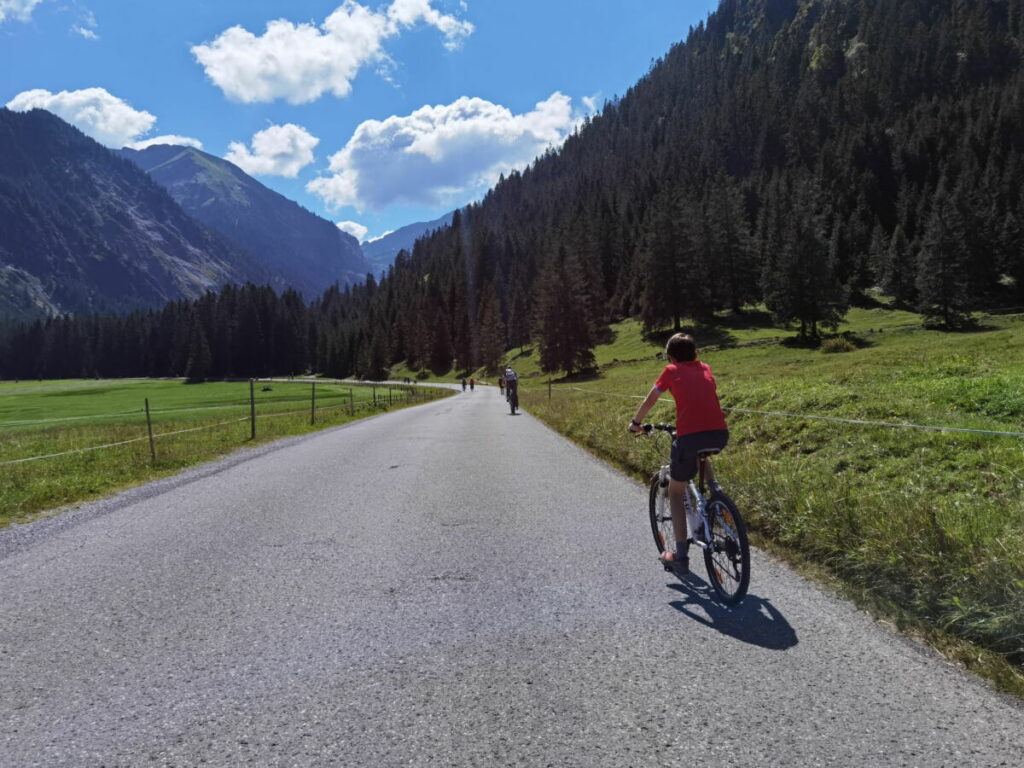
{"type": "Point", "coordinates": [929, 526]}
{"type": "Point", "coordinates": [41, 418]}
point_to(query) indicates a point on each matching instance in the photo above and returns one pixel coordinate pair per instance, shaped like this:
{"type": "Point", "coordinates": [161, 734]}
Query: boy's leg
{"type": "Point", "coordinates": [677, 503]}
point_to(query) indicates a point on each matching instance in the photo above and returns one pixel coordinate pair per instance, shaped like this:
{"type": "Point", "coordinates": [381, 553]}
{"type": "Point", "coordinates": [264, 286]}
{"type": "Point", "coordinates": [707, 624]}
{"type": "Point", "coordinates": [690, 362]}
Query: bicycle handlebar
{"type": "Point", "coordinates": [661, 427]}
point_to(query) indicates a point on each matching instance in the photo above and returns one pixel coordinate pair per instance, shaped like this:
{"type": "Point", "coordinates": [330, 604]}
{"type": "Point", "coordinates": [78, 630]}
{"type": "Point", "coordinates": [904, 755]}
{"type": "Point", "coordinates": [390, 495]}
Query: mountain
{"type": "Point", "coordinates": [381, 252]}
{"type": "Point", "coordinates": [83, 230]}
{"type": "Point", "coordinates": [300, 249]}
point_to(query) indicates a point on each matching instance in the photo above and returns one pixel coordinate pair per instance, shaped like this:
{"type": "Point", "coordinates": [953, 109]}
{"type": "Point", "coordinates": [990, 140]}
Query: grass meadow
{"type": "Point", "coordinates": [925, 527]}
{"type": "Point", "coordinates": [191, 423]}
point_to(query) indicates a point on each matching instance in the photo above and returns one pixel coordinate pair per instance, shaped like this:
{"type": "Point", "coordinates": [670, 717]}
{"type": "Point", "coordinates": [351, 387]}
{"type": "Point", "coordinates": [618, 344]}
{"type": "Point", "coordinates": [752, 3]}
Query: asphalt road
{"type": "Point", "coordinates": [444, 585]}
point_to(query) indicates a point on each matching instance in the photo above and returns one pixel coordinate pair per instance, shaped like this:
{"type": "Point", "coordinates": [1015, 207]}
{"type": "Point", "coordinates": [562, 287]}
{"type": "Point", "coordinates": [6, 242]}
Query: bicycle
{"type": "Point", "coordinates": [512, 397]}
{"type": "Point", "coordinates": [723, 532]}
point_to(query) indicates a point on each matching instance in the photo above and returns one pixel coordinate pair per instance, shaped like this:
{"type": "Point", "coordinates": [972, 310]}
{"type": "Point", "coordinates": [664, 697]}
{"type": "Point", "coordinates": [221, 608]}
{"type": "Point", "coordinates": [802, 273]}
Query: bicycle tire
{"type": "Point", "coordinates": [661, 515]}
{"type": "Point", "coordinates": [728, 559]}
{"type": "Point", "coordinates": [513, 403]}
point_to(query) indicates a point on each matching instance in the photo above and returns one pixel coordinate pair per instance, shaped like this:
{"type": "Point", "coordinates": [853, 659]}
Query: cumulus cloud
{"type": "Point", "coordinates": [280, 150]}
{"type": "Point", "coordinates": [301, 62]}
{"type": "Point", "coordinates": [437, 155]}
{"type": "Point", "coordinates": [178, 141]}
{"type": "Point", "coordinates": [20, 10]}
{"type": "Point", "coordinates": [354, 228]}
{"type": "Point", "coordinates": [94, 111]}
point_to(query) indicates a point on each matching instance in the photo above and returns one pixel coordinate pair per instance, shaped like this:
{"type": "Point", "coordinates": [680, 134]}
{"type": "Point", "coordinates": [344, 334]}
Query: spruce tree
{"type": "Point", "coordinates": [943, 293]}
{"type": "Point", "coordinates": [197, 369]}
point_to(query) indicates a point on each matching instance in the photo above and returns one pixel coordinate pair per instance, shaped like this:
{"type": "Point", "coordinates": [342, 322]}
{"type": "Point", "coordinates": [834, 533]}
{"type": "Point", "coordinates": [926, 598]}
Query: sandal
{"type": "Point", "coordinates": [679, 567]}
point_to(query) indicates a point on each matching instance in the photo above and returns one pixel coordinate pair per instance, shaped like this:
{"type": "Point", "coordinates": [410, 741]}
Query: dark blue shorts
{"type": "Point", "coordinates": [686, 447]}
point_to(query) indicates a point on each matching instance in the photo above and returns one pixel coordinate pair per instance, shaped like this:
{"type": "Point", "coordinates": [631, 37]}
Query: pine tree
{"type": "Point", "coordinates": [200, 360]}
{"type": "Point", "coordinates": [492, 330]}
{"type": "Point", "coordinates": [801, 282]}
{"type": "Point", "coordinates": [897, 272]}
{"type": "Point", "coordinates": [943, 296]}
{"type": "Point", "coordinates": [564, 332]}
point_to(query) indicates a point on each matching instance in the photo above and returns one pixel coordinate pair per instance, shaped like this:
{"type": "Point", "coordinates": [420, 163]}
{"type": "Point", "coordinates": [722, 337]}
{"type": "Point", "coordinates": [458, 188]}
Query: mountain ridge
{"type": "Point", "coordinates": [83, 230]}
{"type": "Point", "coordinates": [382, 251]}
{"type": "Point", "coordinates": [300, 249]}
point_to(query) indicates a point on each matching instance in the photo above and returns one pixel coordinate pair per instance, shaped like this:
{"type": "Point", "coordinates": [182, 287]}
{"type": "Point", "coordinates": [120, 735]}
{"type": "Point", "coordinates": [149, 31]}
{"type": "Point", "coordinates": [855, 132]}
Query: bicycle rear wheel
{"type": "Point", "coordinates": [728, 557]}
{"type": "Point", "coordinates": [661, 515]}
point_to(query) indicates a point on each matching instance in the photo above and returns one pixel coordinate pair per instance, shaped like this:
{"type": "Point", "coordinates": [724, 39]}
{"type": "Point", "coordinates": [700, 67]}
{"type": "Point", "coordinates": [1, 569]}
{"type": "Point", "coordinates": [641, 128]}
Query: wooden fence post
{"type": "Point", "coordinates": [252, 409]}
{"type": "Point", "coordinates": [312, 407]}
{"type": "Point", "coordinates": [351, 402]}
{"type": "Point", "coordinates": [149, 428]}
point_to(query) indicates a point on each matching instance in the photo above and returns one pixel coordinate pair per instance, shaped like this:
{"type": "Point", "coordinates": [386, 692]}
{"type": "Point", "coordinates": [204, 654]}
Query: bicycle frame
{"type": "Point", "coordinates": [698, 492]}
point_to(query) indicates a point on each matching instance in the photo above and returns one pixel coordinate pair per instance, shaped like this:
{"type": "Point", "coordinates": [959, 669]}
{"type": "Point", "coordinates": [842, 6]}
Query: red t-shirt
{"type": "Point", "coordinates": [693, 388]}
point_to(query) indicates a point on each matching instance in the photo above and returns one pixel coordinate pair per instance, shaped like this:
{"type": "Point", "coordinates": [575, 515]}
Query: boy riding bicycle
{"type": "Point", "coordinates": [700, 426]}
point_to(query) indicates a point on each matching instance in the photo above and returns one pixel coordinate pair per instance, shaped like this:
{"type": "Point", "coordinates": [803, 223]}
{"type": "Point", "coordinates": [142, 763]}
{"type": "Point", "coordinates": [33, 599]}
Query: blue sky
{"type": "Point", "coordinates": [377, 114]}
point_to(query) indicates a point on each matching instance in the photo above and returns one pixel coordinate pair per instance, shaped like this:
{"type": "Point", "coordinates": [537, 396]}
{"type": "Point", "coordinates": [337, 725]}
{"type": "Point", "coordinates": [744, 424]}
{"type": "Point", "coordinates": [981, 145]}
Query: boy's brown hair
{"type": "Point", "coordinates": [682, 347]}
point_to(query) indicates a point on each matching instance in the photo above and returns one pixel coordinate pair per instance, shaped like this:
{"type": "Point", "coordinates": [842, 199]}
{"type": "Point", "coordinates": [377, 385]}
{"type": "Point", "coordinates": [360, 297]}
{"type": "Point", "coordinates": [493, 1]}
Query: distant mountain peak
{"type": "Point", "coordinates": [299, 248]}
{"type": "Point", "coordinates": [381, 252]}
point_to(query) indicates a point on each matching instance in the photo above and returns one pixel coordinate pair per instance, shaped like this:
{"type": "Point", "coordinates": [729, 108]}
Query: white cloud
{"type": "Point", "coordinates": [17, 9]}
{"type": "Point", "coordinates": [94, 111]}
{"type": "Point", "coordinates": [301, 62]}
{"type": "Point", "coordinates": [407, 13]}
{"type": "Point", "coordinates": [354, 228]}
{"type": "Point", "coordinates": [437, 155]}
{"type": "Point", "coordinates": [280, 150]}
{"type": "Point", "coordinates": [380, 237]}
{"type": "Point", "coordinates": [178, 141]}
{"type": "Point", "coordinates": [87, 28]}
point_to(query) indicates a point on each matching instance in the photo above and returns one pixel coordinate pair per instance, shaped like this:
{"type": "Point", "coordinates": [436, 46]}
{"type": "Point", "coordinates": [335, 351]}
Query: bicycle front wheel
{"type": "Point", "coordinates": [728, 557]}
{"type": "Point", "coordinates": [661, 515]}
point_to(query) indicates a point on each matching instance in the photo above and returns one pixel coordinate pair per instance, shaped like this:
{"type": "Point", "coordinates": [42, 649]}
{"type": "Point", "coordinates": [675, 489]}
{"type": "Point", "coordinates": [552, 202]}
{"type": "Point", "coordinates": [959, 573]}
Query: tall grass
{"type": "Point", "coordinates": [928, 526]}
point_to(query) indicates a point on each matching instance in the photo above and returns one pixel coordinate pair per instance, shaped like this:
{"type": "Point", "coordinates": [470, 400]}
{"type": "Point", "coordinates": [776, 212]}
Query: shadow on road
{"type": "Point", "coordinates": [755, 620]}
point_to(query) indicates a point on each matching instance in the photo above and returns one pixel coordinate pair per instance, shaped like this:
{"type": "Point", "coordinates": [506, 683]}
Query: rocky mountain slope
{"type": "Point", "coordinates": [298, 248]}
{"type": "Point", "coordinates": [83, 230]}
{"type": "Point", "coordinates": [381, 252]}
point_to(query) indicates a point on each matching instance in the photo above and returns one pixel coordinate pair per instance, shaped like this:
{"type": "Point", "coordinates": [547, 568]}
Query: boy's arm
{"type": "Point", "coordinates": [652, 397]}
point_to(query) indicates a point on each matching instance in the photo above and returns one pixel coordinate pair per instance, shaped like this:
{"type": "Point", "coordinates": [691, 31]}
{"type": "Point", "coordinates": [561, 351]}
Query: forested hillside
{"type": "Point", "coordinates": [801, 153]}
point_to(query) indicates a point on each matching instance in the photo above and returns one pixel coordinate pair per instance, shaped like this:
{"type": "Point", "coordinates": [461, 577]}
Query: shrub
{"type": "Point", "coordinates": [838, 344]}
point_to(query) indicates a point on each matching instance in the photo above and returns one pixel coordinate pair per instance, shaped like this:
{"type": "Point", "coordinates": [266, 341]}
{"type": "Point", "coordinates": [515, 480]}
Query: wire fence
{"type": "Point", "coordinates": [835, 419]}
{"type": "Point", "coordinates": [381, 395]}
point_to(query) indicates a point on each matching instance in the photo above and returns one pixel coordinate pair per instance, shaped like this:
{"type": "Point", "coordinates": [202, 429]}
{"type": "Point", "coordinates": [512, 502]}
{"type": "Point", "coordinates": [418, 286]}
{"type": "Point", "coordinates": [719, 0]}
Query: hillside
{"type": "Point", "coordinates": [297, 248]}
{"type": "Point", "coordinates": [795, 154]}
{"type": "Point", "coordinates": [82, 230]}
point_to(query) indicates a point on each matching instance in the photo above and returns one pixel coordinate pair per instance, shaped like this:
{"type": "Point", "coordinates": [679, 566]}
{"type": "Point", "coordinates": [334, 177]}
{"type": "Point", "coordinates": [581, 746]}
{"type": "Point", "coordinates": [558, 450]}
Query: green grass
{"type": "Point", "coordinates": [43, 418]}
{"type": "Point", "coordinates": [928, 527]}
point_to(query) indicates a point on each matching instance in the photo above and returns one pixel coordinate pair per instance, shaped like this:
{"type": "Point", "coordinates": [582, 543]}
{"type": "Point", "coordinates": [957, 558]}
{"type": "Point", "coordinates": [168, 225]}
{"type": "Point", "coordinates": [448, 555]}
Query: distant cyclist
{"type": "Point", "coordinates": [511, 383]}
{"type": "Point", "coordinates": [512, 389]}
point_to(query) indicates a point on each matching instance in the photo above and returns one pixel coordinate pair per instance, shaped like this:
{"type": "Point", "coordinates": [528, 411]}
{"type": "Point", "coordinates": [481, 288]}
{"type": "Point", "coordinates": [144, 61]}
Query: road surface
{"type": "Point", "coordinates": [442, 585]}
